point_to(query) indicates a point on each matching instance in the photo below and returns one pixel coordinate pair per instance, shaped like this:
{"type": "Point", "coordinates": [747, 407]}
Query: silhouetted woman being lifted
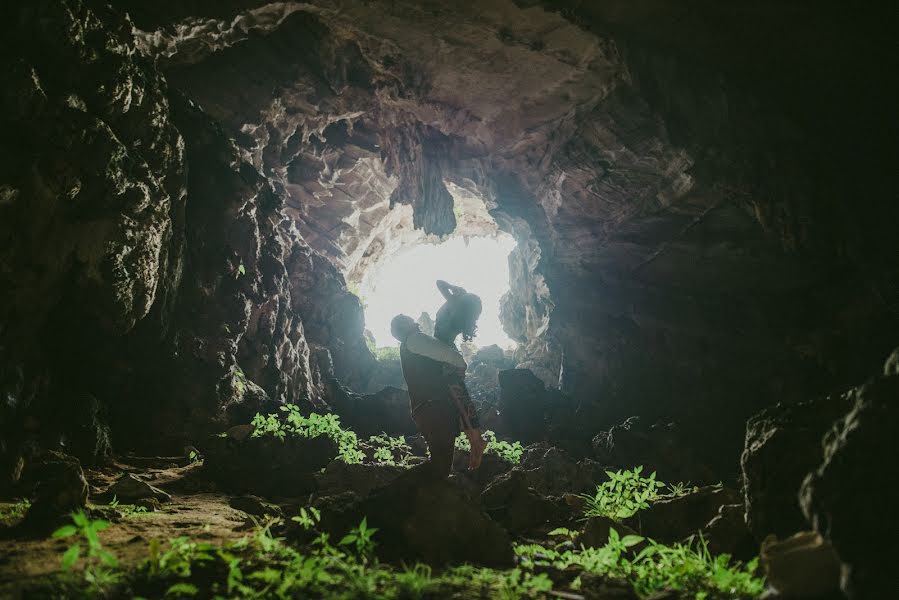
{"type": "Point", "coordinates": [459, 315]}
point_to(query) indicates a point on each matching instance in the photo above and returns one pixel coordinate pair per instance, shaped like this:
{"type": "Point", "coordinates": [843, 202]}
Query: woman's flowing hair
{"type": "Point", "coordinates": [459, 314]}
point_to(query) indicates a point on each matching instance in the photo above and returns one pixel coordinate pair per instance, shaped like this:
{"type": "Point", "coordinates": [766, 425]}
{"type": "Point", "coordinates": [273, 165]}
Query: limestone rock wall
{"type": "Point", "coordinates": [151, 280]}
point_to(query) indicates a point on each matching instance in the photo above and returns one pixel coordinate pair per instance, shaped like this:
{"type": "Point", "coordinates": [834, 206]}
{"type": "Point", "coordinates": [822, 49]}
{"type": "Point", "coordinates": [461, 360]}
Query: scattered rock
{"type": "Point", "coordinates": [57, 485]}
{"type": "Point", "coordinates": [384, 411]}
{"type": "Point", "coordinates": [249, 399]}
{"type": "Point", "coordinates": [491, 355]}
{"type": "Point", "coordinates": [783, 443]}
{"type": "Point", "coordinates": [659, 446]}
{"type": "Point", "coordinates": [253, 505]}
{"type": "Point", "coordinates": [595, 532]}
{"type": "Point", "coordinates": [436, 523]}
{"type": "Point", "coordinates": [599, 587]}
{"type": "Point", "coordinates": [266, 465]}
{"type": "Point", "coordinates": [339, 477]}
{"type": "Point", "coordinates": [852, 496]}
{"type": "Point", "coordinates": [417, 445]}
{"type": "Point", "coordinates": [129, 488]}
{"type": "Point", "coordinates": [727, 533]}
{"type": "Point", "coordinates": [150, 503]}
{"type": "Point", "coordinates": [553, 472]}
{"type": "Point", "coordinates": [239, 433]}
{"type": "Point", "coordinates": [512, 502]}
{"type": "Point", "coordinates": [674, 519]}
{"type": "Point", "coordinates": [802, 566]}
{"type": "Point", "coordinates": [492, 466]}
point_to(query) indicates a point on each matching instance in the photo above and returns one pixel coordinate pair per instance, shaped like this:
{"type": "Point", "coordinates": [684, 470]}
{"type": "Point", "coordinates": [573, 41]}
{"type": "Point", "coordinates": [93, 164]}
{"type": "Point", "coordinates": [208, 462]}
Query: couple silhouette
{"type": "Point", "coordinates": [435, 376]}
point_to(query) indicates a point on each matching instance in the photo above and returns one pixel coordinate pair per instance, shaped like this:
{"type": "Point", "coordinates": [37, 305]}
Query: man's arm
{"type": "Point", "coordinates": [425, 345]}
{"type": "Point", "coordinates": [448, 290]}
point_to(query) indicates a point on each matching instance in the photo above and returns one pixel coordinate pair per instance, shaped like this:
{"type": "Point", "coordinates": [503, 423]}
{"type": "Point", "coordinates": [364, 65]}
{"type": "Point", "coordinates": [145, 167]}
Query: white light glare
{"type": "Point", "coordinates": [406, 285]}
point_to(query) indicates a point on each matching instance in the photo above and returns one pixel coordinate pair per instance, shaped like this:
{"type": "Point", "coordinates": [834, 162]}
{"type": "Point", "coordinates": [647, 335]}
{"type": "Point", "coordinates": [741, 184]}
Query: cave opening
{"type": "Point", "coordinates": [404, 283]}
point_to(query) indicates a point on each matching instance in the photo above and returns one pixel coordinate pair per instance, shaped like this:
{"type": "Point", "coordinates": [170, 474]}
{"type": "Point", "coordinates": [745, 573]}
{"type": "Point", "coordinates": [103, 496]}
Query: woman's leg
{"type": "Point", "coordinates": [468, 421]}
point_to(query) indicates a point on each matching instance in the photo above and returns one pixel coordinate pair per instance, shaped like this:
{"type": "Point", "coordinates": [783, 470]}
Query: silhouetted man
{"type": "Point", "coordinates": [434, 373]}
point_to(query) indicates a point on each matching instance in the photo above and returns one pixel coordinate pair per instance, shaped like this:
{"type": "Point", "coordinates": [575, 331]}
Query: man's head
{"type": "Point", "coordinates": [401, 326]}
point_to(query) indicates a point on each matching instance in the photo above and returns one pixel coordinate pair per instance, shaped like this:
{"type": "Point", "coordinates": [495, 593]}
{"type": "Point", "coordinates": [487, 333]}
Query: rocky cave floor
{"type": "Point", "coordinates": [294, 505]}
{"type": "Point", "coordinates": [194, 508]}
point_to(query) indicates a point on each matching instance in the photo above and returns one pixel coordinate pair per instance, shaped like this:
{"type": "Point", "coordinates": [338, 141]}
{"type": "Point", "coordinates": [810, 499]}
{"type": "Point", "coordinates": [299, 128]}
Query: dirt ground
{"type": "Point", "coordinates": [194, 511]}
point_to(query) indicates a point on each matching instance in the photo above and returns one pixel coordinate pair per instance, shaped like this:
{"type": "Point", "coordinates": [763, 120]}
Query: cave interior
{"type": "Point", "coordinates": [694, 390]}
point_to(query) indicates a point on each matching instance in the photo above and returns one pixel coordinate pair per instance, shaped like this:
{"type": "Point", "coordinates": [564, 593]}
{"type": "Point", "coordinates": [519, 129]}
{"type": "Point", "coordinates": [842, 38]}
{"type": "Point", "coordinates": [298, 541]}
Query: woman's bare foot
{"type": "Point", "coordinates": [478, 445]}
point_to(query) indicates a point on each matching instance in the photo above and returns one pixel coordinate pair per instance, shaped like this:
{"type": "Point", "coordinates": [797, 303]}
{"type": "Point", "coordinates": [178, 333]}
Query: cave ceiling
{"type": "Point", "coordinates": [353, 107]}
{"type": "Point", "coordinates": [662, 172]}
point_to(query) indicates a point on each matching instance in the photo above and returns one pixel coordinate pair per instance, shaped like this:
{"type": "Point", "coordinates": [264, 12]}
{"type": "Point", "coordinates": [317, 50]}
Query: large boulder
{"type": "Point", "coordinates": [266, 465]}
{"type": "Point", "coordinates": [255, 506]}
{"type": "Point", "coordinates": [553, 472]}
{"type": "Point", "coordinates": [659, 447]}
{"type": "Point", "coordinates": [386, 411]}
{"type": "Point", "coordinates": [439, 523]}
{"type": "Point", "coordinates": [520, 508]}
{"type": "Point", "coordinates": [803, 565]}
{"type": "Point", "coordinates": [339, 477]}
{"type": "Point", "coordinates": [727, 533]}
{"type": "Point", "coordinates": [852, 496]}
{"type": "Point", "coordinates": [674, 519]}
{"type": "Point", "coordinates": [595, 532]}
{"type": "Point", "coordinates": [129, 488]}
{"type": "Point", "coordinates": [56, 484]}
{"type": "Point", "coordinates": [783, 443]}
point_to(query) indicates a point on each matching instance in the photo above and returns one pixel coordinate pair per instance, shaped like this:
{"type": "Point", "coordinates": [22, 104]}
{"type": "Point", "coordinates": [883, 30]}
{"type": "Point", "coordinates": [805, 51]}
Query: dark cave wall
{"type": "Point", "coordinates": [147, 270]}
{"type": "Point", "coordinates": [93, 177]}
{"type": "Point", "coordinates": [775, 279]}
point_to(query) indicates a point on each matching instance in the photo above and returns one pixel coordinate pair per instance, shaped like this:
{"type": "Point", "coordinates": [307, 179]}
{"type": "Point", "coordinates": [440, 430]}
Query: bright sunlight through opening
{"type": "Point", "coordinates": [406, 284]}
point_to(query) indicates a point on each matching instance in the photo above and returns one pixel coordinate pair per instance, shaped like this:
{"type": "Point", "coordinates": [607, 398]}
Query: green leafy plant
{"type": "Point", "coordinates": [508, 451]}
{"type": "Point", "coordinates": [564, 532]}
{"type": "Point", "coordinates": [623, 495]}
{"type": "Point", "coordinates": [178, 559]}
{"type": "Point", "coordinates": [240, 380]}
{"type": "Point", "coordinates": [390, 450]}
{"type": "Point", "coordinates": [308, 518]}
{"type": "Point", "coordinates": [686, 567]}
{"type": "Point", "coordinates": [353, 288]}
{"type": "Point", "coordinates": [127, 510]}
{"type": "Point", "coordinates": [387, 353]}
{"type": "Point", "coordinates": [15, 510]}
{"type": "Point", "coordinates": [361, 539]}
{"type": "Point", "coordinates": [490, 583]}
{"type": "Point", "coordinates": [295, 424]}
{"type": "Point", "coordinates": [676, 490]}
{"type": "Point", "coordinates": [416, 582]}
{"type": "Point", "coordinates": [99, 563]}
